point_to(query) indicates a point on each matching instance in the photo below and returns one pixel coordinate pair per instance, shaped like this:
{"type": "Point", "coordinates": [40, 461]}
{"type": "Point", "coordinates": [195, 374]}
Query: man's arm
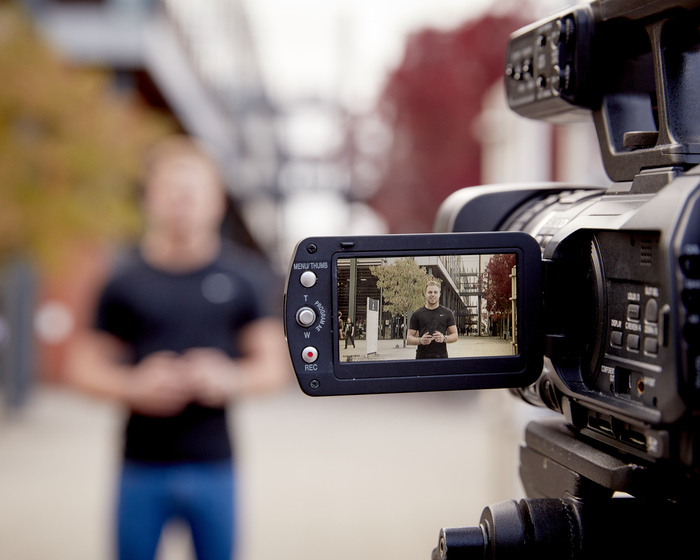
{"type": "Point", "coordinates": [452, 334]}
{"type": "Point", "coordinates": [412, 337]}
{"type": "Point", "coordinates": [263, 367]}
{"type": "Point", "coordinates": [415, 340]}
{"type": "Point", "coordinates": [96, 363]}
{"type": "Point", "coordinates": [413, 330]}
{"type": "Point", "coordinates": [163, 384]}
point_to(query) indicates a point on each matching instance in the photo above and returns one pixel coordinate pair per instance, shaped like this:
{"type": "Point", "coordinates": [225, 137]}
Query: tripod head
{"type": "Point", "coordinates": [571, 511]}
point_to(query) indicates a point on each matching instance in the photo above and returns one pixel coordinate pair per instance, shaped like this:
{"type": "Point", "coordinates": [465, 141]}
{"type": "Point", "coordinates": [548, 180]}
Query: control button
{"type": "Point", "coordinates": [309, 354]}
{"type": "Point", "coordinates": [616, 338]}
{"type": "Point", "coordinates": [633, 311]}
{"type": "Point", "coordinates": [308, 279]}
{"type": "Point", "coordinates": [633, 342]}
{"type": "Point", "coordinates": [566, 78]}
{"type": "Point", "coordinates": [690, 265]}
{"type": "Point", "coordinates": [691, 299]}
{"type": "Point", "coordinates": [568, 32]}
{"type": "Point", "coordinates": [518, 72]}
{"type": "Point", "coordinates": [651, 345]}
{"type": "Point", "coordinates": [557, 34]}
{"type": "Point", "coordinates": [306, 316]}
{"type": "Point", "coordinates": [555, 78]}
{"type": "Point", "coordinates": [651, 311]}
{"type": "Point", "coordinates": [691, 330]}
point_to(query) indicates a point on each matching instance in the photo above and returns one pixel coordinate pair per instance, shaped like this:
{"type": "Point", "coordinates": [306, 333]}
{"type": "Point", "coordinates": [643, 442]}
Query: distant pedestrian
{"type": "Point", "coordinates": [349, 333]}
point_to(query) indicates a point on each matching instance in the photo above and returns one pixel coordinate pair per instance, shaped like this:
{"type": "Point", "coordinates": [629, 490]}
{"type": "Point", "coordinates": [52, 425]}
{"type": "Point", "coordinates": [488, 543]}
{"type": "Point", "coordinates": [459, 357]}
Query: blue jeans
{"type": "Point", "coordinates": [202, 494]}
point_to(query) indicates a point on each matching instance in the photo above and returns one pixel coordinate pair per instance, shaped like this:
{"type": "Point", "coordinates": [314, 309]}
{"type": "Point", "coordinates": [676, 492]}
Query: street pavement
{"type": "Point", "coordinates": [343, 478]}
{"type": "Point", "coordinates": [394, 349]}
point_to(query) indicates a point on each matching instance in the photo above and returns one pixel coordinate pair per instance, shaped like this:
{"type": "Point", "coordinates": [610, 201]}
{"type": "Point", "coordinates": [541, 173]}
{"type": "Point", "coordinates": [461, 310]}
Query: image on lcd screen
{"type": "Point", "coordinates": [426, 307]}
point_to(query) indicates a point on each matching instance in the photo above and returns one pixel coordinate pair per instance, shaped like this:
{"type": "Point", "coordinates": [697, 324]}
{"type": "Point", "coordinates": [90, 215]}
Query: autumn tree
{"type": "Point", "coordinates": [70, 148]}
{"type": "Point", "coordinates": [498, 287]}
{"type": "Point", "coordinates": [431, 103]}
{"type": "Point", "coordinates": [403, 286]}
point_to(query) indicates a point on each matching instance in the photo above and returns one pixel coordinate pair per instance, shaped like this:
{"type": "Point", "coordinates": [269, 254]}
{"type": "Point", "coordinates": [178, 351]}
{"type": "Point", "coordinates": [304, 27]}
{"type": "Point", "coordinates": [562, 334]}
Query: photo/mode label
{"type": "Point", "coordinates": [321, 315]}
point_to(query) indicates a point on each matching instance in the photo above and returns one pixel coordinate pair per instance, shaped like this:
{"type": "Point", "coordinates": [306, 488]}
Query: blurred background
{"type": "Point", "coordinates": [328, 118]}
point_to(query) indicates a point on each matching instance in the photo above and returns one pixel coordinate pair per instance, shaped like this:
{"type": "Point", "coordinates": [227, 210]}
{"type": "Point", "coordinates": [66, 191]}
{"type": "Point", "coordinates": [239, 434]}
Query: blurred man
{"type": "Point", "coordinates": [183, 327]}
{"type": "Point", "coordinates": [432, 326]}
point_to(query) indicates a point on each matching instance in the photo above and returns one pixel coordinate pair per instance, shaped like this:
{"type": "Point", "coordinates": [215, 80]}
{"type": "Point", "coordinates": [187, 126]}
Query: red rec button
{"type": "Point", "coordinates": [309, 354]}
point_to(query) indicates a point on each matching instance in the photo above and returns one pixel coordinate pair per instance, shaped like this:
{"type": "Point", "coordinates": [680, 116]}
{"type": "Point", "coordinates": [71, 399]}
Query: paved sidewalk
{"type": "Point", "coordinates": [343, 478]}
{"type": "Point", "coordinates": [394, 349]}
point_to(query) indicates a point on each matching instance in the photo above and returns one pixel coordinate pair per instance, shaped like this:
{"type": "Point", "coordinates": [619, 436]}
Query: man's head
{"type": "Point", "coordinates": [432, 294]}
{"type": "Point", "coordinates": [183, 192]}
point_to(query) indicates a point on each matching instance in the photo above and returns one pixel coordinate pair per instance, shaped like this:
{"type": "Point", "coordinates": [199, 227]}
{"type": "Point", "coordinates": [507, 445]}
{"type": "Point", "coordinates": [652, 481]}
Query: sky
{"type": "Point", "coordinates": [341, 49]}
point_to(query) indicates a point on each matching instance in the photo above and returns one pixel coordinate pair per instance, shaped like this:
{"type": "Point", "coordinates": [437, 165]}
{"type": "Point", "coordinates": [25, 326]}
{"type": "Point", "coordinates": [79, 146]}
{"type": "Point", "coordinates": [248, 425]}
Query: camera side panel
{"type": "Point", "coordinates": [334, 281]}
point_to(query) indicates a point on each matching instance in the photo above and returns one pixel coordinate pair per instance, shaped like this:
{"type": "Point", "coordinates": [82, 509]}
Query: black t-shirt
{"type": "Point", "coordinates": [152, 310]}
{"type": "Point", "coordinates": [426, 320]}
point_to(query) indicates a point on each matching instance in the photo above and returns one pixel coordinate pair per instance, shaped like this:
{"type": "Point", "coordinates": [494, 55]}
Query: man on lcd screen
{"type": "Point", "coordinates": [432, 326]}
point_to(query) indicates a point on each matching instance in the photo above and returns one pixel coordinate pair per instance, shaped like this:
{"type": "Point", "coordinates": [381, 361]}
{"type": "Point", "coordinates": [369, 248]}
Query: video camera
{"type": "Point", "coordinates": [599, 315]}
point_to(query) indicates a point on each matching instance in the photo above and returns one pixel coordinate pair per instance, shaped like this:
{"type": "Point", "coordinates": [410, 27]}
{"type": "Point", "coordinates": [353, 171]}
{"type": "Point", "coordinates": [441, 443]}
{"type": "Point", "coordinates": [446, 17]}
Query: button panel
{"type": "Point", "coordinates": [639, 331]}
{"type": "Point", "coordinates": [307, 324]}
{"type": "Point", "coordinates": [689, 262]}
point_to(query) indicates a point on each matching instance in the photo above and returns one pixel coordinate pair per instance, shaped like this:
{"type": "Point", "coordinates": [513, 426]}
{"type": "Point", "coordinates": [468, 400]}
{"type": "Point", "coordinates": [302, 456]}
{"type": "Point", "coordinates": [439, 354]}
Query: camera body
{"type": "Point", "coordinates": [624, 365]}
{"type": "Point", "coordinates": [607, 322]}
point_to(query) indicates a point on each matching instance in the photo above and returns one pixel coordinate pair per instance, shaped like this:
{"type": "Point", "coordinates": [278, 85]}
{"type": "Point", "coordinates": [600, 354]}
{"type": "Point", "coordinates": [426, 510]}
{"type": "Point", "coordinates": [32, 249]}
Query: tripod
{"type": "Point", "coordinates": [570, 511]}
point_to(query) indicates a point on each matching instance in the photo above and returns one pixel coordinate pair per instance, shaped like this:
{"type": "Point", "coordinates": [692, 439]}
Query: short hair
{"type": "Point", "coordinates": [433, 283]}
{"type": "Point", "coordinates": [176, 147]}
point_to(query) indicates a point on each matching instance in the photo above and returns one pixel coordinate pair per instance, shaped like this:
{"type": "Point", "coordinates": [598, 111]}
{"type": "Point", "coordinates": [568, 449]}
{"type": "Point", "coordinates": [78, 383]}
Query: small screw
{"type": "Point", "coordinates": [314, 384]}
{"type": "Point", "coordinates": [311, 248]}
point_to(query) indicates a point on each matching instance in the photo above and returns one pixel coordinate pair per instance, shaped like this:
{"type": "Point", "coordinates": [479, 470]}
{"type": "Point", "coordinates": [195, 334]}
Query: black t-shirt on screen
{"type": "Point", "coordinates": [426, 320]}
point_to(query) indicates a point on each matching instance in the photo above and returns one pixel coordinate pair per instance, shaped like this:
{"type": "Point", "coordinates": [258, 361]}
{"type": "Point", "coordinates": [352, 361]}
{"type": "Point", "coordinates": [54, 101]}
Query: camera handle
{"type": "Point", "coordinates": [627, 130]}
{"type": "Point", "coordinates": [571, 511]}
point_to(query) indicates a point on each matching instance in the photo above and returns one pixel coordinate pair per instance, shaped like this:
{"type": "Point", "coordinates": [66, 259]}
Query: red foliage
{"type": "Point", "coordinates": [498, 290]}
{"type": "Point", "coordinates": [431, 102]}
